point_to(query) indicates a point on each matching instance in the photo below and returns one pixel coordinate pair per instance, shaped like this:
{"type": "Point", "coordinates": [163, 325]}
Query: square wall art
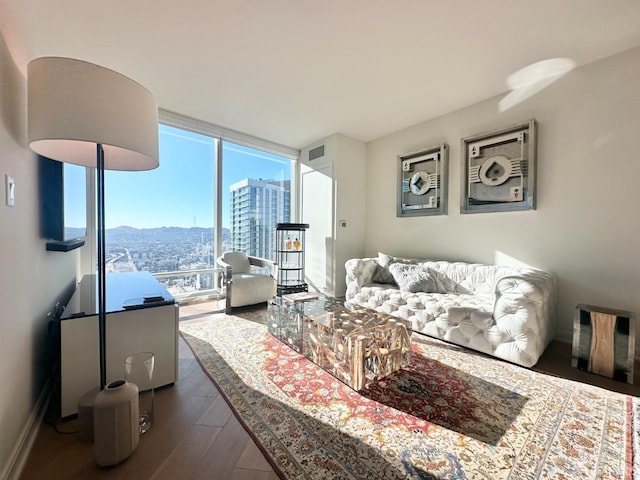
{"type": "Point", "coordinates": [422, 182]}
{"type": "Point", "coordinates": [499, 170]}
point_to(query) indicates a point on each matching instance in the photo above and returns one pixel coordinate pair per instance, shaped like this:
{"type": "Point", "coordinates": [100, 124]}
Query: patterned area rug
{"type": "Point", "coordinates": [452, 414]}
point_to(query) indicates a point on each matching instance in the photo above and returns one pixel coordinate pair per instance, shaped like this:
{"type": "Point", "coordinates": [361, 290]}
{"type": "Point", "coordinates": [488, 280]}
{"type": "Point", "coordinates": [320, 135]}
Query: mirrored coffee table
{"type": "Point", "coordinates": [357, 346]}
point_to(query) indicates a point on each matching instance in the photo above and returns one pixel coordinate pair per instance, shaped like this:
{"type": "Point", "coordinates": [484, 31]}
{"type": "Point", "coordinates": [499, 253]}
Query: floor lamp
{"type": "Point", "coordinates": [85, 114]}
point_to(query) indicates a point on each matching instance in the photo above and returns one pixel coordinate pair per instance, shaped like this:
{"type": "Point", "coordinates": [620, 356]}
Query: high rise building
{"type": "Point", "coordinates": [256, 207]}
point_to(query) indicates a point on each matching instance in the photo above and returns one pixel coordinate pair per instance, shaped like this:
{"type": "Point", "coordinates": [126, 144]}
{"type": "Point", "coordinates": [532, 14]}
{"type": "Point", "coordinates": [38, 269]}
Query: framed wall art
{"type": "Point", "coordinates": [422, 182]}
{"type": "Point", "coordinates": [499, 168]}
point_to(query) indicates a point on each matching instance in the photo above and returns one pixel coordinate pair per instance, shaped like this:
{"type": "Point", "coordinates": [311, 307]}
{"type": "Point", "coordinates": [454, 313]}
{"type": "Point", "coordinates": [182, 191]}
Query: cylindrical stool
{"type": "Point", "coordinates": [115, 422]}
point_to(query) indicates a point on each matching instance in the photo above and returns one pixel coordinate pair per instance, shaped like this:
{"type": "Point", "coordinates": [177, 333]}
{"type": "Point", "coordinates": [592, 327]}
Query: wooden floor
{"type": "Point", "coordinates": [195, 434]}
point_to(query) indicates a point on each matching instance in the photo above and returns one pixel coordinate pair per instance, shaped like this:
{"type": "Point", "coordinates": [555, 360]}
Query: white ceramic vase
{"type": "Point", "coordinates": [115, 423]}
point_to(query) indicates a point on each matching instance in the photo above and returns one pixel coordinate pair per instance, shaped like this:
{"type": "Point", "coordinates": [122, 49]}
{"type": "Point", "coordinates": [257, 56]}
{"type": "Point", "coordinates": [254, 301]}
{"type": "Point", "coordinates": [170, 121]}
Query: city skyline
{"type": "Point", "coordinates": [179, 193]}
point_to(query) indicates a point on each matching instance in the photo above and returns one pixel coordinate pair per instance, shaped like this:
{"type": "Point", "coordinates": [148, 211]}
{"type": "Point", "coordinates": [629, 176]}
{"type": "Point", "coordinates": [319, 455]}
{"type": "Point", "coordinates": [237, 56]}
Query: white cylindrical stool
{"type": "Point", "coordinates": [115, 422]}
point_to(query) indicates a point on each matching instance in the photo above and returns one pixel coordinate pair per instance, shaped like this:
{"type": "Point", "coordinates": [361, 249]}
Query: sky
{"type": "Point", "coordinates": [75, 198]}
{"type": "Point", "coordinates": [179, 193]}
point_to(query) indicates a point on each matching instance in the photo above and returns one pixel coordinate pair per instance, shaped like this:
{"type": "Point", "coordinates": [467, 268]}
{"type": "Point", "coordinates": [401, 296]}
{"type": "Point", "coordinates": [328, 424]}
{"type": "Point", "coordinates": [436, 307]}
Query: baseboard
{"type": "Point", "coordinates": [17, 460]}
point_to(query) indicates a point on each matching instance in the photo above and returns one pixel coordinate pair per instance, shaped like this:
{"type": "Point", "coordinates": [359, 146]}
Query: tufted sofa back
{"type": "Point", "coordinates": [475, 278]}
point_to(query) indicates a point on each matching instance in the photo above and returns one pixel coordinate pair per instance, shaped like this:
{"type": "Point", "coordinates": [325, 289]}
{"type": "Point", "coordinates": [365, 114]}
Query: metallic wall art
{"type": "Point", "coordinates": [422, 182]}
{"type": "Point", "coordinates": [499, 170]}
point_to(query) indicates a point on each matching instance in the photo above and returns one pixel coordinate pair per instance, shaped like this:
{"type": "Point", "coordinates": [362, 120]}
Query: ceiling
{"type": "Point", "coordinates": [296, 71]}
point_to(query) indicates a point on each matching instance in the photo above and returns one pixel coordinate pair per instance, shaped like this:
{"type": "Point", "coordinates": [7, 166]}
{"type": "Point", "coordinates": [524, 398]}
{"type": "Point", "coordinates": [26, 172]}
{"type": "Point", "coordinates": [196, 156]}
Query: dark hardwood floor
{"type": "Point", "coordinates": [195, 434]}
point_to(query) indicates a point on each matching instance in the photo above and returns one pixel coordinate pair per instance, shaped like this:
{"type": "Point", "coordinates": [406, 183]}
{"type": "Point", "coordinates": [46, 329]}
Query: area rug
{"type": "Point", "coordinates": [451, 414]}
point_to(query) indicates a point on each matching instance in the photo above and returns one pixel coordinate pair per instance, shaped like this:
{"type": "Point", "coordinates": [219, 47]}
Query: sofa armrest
{"type": "Point", "coordinates": [359, 272]}
{"type": "Point", "coordinates": [227, 279]}
{"type": "Point", "coordinates": [525, 304]}
{"type": "Point", "coordinates": [226, 268]}
{"type": "Point", "coordinates": [269, 266]}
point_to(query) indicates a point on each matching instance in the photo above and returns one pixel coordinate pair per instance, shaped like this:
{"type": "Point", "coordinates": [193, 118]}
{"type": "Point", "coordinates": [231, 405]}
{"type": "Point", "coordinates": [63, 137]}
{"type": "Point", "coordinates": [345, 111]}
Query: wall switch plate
{"type": "Point", "coordinates": [10, 185]}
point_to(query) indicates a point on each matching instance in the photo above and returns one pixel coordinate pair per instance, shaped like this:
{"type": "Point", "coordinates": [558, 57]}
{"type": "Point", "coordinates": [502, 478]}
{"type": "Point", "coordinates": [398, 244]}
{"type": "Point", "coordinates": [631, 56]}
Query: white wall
{"type": "Point", "coordinates": [31, 279]}
{"type": "Point", "coordinates": [351, 187]}
{"type": "Point", "coordinates": [333, 191]}
{"type": "Point", "coordinates": [586, 228]}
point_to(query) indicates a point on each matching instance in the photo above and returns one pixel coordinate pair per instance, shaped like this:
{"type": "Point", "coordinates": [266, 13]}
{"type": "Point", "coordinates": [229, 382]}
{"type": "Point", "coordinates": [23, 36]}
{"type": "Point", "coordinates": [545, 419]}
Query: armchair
{"type": "Point", "coordinates": [248, 280]}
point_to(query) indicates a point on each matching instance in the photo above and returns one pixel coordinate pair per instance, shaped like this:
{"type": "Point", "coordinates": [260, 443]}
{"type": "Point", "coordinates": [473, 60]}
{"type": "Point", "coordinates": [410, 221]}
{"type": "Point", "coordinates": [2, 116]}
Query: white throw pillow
{"type": "Point", "coordinates": [417, 278]}
{"type": "Point", "coordinates": [382, 273]}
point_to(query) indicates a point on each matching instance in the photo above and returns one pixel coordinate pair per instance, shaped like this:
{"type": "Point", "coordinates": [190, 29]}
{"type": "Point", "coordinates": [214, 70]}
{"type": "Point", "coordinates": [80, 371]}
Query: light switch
{"type": "Point", "coordinates": [10, 184]}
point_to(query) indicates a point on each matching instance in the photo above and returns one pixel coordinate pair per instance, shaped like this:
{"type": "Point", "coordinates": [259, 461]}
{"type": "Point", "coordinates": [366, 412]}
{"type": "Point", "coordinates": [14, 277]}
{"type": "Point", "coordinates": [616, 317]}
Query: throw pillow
{"type": "Point", "coordinates": [443, 283]}
{"type": "Point", "coordinates": [417, 278]}
{"type": "Point", "coordinates": [382, 273]}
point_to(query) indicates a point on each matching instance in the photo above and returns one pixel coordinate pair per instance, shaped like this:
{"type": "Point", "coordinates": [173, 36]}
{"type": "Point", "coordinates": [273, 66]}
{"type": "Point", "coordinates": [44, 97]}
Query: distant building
{"type": "Point", "coordinates": [256, 207]}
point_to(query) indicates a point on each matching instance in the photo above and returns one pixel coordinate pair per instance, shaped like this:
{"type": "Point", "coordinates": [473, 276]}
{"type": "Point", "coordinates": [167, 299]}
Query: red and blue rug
{"type": "Point", "coordinates": [451, 414]}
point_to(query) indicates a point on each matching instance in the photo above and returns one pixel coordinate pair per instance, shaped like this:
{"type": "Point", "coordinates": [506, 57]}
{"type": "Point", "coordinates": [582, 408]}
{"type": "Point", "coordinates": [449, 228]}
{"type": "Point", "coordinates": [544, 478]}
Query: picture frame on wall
{"type": "Point", "coordinates": [422, 182]}
{"type": "Point", "coordinates": [499, 170]}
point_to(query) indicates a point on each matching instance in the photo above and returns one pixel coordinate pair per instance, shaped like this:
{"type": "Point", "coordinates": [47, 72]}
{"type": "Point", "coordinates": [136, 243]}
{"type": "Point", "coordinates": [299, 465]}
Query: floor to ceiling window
{"type": "Point", "coordinates": [164, 220]}
{"type": "Point", "coordinates": [256, 190]}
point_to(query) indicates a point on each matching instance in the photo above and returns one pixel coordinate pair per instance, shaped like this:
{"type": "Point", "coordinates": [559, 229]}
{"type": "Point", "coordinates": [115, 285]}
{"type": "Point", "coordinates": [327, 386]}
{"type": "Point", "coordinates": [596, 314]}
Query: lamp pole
{"type": "Point", "coordinates": [102, 277]}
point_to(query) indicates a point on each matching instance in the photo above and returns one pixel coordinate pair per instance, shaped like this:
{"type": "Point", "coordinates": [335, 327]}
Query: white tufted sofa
{"type": "Point", "coordinates": [503, 311]}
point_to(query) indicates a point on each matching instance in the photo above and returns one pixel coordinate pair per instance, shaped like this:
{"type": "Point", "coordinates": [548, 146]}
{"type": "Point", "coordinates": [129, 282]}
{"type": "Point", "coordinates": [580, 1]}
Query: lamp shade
{"type": "Point", "coordinates": [74, 105]}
